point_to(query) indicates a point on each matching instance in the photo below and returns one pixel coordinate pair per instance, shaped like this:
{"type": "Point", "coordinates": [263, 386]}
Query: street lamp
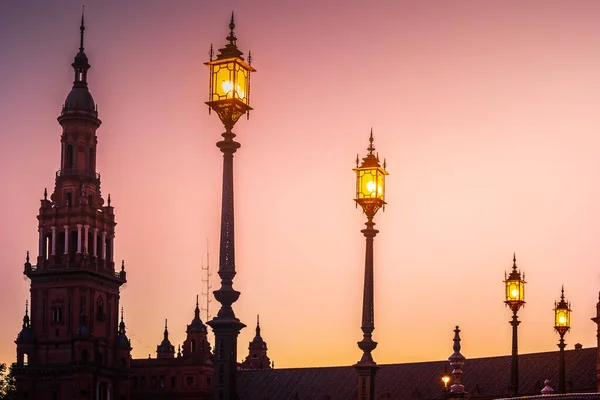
{"type": "Point", "coordinates": [445, 380]}
{"type": "Point", "coordinates": [515, 298]}
{"type": "Point", "coordinates": [229, 97]}
{"type": "Point", "coordinates": [562, 325]}
{"type": "Point", "coordinates": [370, 195]}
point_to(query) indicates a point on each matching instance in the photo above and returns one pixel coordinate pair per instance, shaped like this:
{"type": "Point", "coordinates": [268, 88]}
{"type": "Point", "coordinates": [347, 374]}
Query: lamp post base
{"type": "Point", "coordinates": [366, 380]}
{"type": "Point", "coordinates": [226, 330]}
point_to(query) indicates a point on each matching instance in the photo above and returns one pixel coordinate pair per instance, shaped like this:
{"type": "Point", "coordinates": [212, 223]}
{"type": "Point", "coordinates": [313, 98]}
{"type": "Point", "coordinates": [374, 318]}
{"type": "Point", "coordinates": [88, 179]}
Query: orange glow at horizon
{"type": "Point", "coordinates": [488, 121]}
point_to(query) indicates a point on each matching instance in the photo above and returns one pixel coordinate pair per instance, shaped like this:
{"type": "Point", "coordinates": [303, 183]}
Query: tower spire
{"type": "Point", "coordinates": [257, 325]}
{"type": "Point", "coordinates": [26, 317]}
{"type": "Point", "coordinates": [81, 29]}
{"type": "Point", "coordinates": [197, 310]}
{"type": "Point", "coordinates": [122, 323]}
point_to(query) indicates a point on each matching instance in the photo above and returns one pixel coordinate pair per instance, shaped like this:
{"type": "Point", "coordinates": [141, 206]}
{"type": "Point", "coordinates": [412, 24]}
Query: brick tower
{"type": "Point", "coordinates": [73, 347]}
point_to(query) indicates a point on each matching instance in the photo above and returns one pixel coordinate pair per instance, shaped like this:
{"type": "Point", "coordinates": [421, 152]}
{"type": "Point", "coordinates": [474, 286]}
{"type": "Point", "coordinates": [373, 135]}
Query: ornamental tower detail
{"type": "Point", "coordinates": [72, 345]}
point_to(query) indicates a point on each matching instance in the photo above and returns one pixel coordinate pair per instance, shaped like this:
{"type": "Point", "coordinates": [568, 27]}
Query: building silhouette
{"type": "Point", "coordinates": [73, 342]}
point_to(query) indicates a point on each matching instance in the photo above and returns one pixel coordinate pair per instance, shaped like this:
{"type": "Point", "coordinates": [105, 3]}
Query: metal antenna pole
{"type": "Point", "coordinates": [208, 285]}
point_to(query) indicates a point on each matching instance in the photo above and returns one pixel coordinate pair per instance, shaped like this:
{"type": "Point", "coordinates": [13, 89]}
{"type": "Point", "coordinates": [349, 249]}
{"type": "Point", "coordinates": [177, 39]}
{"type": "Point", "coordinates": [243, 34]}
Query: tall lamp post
{"type": "Point", "coordinates": [229, 97]}
{"type": "Point", "coordinates": [370, 195]}
{"type": "Point", "coordinates": [562, 325]}
{"type": "Point", "coordinates": [515, 298]}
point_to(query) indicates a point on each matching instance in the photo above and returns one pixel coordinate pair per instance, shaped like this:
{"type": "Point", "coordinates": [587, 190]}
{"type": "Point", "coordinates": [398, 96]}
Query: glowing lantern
{"type": "Point", "coordinates": [445, 380]}
{"type": "Point", "coordinates": [230, 80]}
{"type": "Point", "coordinates": [370, 182]}
{"type": "Point", "coordinates": [229, 86]}
{"type": "Point", "coordinates": [515, 288]}
{"type": "Point", "coordinates": [562, 315]}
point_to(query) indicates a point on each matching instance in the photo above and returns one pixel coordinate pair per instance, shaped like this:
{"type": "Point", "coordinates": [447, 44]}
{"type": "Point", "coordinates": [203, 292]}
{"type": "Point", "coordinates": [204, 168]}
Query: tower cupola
{"type": "Point", "coordinates": [257, 351]}
{"type": "Point", "coordinates": [196, 344]}
{"type": "Point", "coordinates": [122, 339]}
{"type": "Point", "coordinates": [165, 349]}
{"type": "Point", "coordinates": [79, 101]}
{"type": "Point", "coordinates": [197, 325]}
{"type": "Point", "coordinates": [26, 335]}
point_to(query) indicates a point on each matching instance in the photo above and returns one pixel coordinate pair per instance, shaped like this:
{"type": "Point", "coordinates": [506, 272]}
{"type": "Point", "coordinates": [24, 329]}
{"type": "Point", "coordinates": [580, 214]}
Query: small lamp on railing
{"type": "Point", "coordinates": [445, 380]}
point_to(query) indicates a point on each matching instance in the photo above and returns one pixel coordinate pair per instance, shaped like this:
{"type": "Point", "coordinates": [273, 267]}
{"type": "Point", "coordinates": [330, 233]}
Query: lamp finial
{"type": "Point", "coordinates": [231, 36]}
{"type": "Point", "coordinates": [371, 148]}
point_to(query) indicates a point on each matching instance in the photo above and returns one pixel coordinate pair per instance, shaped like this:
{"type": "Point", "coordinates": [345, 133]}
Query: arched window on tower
{"type": "Point", "coordinates": [69, 157]}
{"type": "Point", "coordinates": [73, 244]}
{"type": "Point", "coordinates": [25, 359]}
{"type": "Point", "coordinates": [100, 316]}
{"type": "Point", "coordinates": [91, 160]}
{"type": "Point", "coordinates": [193, 346]}
{"type": "Point", "coordinates": [81, 159]}
{"type": "Point", "coordinates": [47, 244]}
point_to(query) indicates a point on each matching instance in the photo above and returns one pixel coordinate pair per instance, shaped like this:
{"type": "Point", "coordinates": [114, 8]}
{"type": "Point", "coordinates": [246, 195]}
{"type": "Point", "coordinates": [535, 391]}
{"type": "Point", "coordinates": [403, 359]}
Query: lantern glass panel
{"type": "Point", "coordinates": [222, 84]}
{"type": "Point", "coordinates": [371, 184]}
{"type": "Point", "coordinates": [562, 317]}
{"type": "Point", "coordinates": [515, 290]}
{"type": "Point", "coordinates": [241, 86]}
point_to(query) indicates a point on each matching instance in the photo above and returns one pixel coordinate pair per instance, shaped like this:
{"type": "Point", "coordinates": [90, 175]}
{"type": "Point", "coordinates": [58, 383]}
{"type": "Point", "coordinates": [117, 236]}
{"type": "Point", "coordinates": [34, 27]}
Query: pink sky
{"type": "Point", "coordinates": [486, 111]}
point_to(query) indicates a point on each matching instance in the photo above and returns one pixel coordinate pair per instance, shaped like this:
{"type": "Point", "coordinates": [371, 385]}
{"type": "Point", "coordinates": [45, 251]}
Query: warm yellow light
{"type": "Point", "coordinates": [562, 320]}
{"type": "Point", "coordinates": [371, 188]}
{"type": "Point", "coordinates": [445, 379]}
{"type": "Point", "coordinates": [227, 87]}
{"type": "Point", "coordinates": [515, 293]}
{"type": "Point", "coordinates": [230, 79]}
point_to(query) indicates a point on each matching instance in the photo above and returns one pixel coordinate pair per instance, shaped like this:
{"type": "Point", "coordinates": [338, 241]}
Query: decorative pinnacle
{"type": "Point", "coordinates": [109, 199]}
{"type": "Point", "coordinates": [81, 28]}
{"type": "Point", "coordinates": [514, 261]}
{"type": "Point", "coordinates": [562, 292]}
{"type": "Point", "coordinates": [257, 325]}
{"type": "Point", "coordinates": [371, 149]}
{"type": "Point", "coordinates": [166, 330]}
{"type": "Point", "coordinates": [26, 317]}
{"type": "Point", "coordinates": [122, 265]}
{"type": "Point", "coordinates": [456, 339]}
{"type": "Point", "coordinates": [121, 314]}
{"type": "Point", "coordinates": [197, 310]}
{"type": "Point", "coordinates": [45, 193]}
{"type": "Point", "coordinates": [27, 257]}
{"type": "Point", "coordinates": [357, 160]}
{"type": "Point", "coordinates": [211, 52]}
{"type": "Point", "coordinates": [231, 36]}
{"type": "Point", "coordinates": [249, 57]}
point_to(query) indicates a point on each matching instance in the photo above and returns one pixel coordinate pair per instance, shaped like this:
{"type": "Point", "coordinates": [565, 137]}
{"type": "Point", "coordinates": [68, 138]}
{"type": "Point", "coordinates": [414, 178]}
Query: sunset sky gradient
{"type": "Point", "coordinates": [486, 111]}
